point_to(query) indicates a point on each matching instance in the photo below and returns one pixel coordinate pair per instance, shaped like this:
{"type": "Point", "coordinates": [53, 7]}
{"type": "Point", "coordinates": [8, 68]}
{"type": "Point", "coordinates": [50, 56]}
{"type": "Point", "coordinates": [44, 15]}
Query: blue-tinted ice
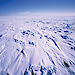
{"type": "Point", "coordinates": [37, 45]}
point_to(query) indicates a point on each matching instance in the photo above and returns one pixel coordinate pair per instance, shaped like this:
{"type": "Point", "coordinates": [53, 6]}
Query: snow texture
{"type": "Point", "coordinates": [37, 45]}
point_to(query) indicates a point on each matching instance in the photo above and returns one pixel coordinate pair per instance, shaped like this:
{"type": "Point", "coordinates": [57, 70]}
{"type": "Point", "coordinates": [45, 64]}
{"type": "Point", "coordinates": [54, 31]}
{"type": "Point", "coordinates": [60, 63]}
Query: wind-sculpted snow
{"type": "Point", "coordinates": [37, 45]}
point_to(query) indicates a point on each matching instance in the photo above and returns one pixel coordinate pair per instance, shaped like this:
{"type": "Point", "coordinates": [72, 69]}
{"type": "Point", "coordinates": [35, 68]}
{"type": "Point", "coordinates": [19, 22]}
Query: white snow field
{"type": "Point", "coordinates": [37, 45]}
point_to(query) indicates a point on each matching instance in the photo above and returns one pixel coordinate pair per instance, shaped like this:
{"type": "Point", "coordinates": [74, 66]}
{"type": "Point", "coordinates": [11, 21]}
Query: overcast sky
{"type": "Point", "coordinates": [9, 7]}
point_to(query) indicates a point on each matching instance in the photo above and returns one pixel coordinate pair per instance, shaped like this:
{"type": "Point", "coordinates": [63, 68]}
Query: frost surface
{"type": "Point", "coordinates": [37, 45]}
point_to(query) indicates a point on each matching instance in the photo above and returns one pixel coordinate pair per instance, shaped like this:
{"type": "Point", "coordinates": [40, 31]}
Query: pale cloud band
{"type": "Point", "coordinates": [45, 14]}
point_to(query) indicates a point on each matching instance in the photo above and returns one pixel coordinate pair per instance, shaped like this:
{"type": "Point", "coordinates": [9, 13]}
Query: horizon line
{"type": "Point", "coordinates": [42, 14]}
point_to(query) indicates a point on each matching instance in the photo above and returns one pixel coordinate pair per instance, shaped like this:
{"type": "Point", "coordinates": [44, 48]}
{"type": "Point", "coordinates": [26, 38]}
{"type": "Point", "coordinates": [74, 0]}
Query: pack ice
{"type": "Point", "coordinates": [37, 45]}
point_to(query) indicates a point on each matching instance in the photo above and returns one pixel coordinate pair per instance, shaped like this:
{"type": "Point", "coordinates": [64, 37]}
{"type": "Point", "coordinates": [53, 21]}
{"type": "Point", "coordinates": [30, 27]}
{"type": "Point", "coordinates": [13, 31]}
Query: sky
{"type": "Point", "coordinates": [9, 7]}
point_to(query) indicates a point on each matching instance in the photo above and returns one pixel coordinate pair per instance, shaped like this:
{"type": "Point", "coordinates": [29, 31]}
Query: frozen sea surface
{"type": "Point", "coordinates": [37, 45]}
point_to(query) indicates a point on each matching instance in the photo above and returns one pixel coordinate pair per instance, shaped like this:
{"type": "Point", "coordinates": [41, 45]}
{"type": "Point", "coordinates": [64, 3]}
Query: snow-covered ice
{"type": "Point", "coordinates": [32, 45]}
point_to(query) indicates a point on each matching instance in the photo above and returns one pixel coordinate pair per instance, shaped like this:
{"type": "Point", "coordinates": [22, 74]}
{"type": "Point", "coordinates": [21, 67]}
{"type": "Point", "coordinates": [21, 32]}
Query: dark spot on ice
{"type": "Point", "coordinates": [59, 31]}
{"type": "Point", "coordinates": [71, 47]}
{"type": "Point", "coordinates": [71, 41]}
{"type": "Point", "coordinates": [15, 40]}
{"type": "Point", "coordinates": [40, 37]}
{"type": "Point", "coordinates": [23, 32]}
{"type": "Point", "coordinates": [64, 37]}
{"type": "Point", "coordinates": [7, 73]}
{"type": "Point", "coordinates": [32, 73]}
{"type": "Point", "coordinates": [69, 44]}
{"type": "Point", "coordinates": [71, 62]}
{"type": "Point", "coordinates": [32, 34]}
{"type": "Point", "coordinates": [22, 52]}
{"type": "Point", "coordinates": [31, 43]}
{"type": "Point", "coordinates": [55, 32]}
{"type": "Point", "coordinates": [0, 35]}
{"type": "Point", "coordinates": [49, 73]}
{"type": "Point", "coordinates": [22, 43]}
{"type": "Point", "coordinates": [46, 36]}
{"type": "Point", "coordinates": [26, 73]}
{"type": "Point", "coordinates": [66, 31]}
{"type": "Point", "coordinates": [71, 72]}
{"type": "Point", "coordinates": [68, 26]}
{"type": "Point", "coordinates": [44, 68]}
{"type": "Point", "coordinates": [36, 70]}
{"type": "Point", "coordinates": [66, 64]}
{"type": "Point", "coordinates": [53, 62]}
{"type": "Point", "coordinates": [41, 70]}
{"type": "Point", "coordinates": [28, 30]}
{"type": "Point", "coordinates": [30, 67]}
{"type": "Point", "coordinates": [54, 68]}
{"type": "Point", "coordinates": [17, 49]}
{"type": "Point", "coordinates": [27, 33]}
